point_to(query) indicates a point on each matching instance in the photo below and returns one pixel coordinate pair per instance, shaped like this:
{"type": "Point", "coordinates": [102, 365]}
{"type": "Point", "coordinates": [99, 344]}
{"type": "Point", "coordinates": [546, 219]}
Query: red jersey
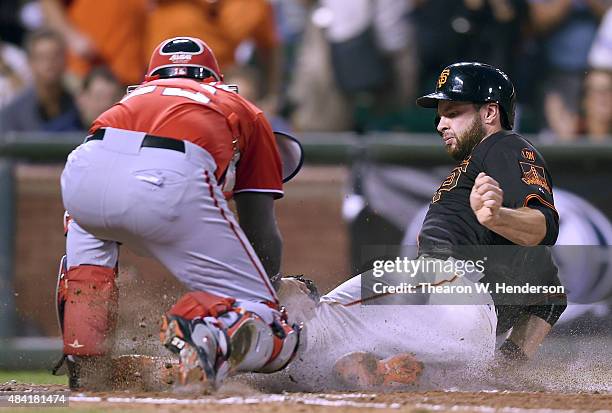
{"type": "Point", "coordinates": [207, 115]}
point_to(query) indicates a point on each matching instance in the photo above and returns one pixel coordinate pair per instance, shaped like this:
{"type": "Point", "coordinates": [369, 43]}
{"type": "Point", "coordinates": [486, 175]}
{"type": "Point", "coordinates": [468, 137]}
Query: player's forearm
{"type": "Point", "coordinates": [529, 333]}
{"type": "Point", "coordinates": [257, 220]}
{"type": "Point", "coordinates": [269, 249]}
{"type": "Point", "coordinates": [266, 240]}
{"type": "Point", "coordinates": [523, 226]}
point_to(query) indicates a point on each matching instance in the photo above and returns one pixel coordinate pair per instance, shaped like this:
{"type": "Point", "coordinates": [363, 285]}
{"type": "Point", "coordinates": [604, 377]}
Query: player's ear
{"type": "Point", "coordinates": [490, 114]}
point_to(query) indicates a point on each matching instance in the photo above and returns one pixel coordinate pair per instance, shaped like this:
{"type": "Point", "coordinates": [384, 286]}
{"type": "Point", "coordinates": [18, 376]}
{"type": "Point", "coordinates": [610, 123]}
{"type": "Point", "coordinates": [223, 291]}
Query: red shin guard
{"type": "Point", "coordinates": [90, 297]}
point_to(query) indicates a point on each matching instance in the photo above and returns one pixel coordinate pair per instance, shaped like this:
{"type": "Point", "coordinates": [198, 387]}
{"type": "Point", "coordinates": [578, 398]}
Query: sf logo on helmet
{"type": "Point", "coordinates": [443, 77]}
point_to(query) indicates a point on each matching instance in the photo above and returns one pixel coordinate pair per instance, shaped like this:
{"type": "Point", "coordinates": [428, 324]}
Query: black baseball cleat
{"type": "Point", "coordinates": [68, 365]}
{"type": "Point", "coordinates": [89, 373]}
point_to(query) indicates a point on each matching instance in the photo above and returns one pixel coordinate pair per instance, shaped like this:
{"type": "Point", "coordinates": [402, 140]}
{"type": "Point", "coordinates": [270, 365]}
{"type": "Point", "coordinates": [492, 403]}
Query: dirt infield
{"type": "Point", "coordinates": [239, 399]}
{"type": "Point", "coordinates": [511, 390]}
{"type": "Point", "coordinates": [429, 401]}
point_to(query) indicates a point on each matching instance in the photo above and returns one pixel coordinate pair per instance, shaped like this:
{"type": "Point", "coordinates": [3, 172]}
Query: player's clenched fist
{"type": "Point", "coordinates": [486, 199]}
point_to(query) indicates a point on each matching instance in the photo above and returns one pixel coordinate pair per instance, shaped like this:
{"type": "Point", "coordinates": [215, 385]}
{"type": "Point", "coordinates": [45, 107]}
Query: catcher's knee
{"type": "Point", "coordinates": [87, 300]}
{"type": "Point", "coordinates": [260, 339]}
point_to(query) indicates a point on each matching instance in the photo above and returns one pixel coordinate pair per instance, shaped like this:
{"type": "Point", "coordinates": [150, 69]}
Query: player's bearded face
{"type": "Point", "coordinates": [468, 139]}
{"type": "Point", "coordinates": [461, 128]}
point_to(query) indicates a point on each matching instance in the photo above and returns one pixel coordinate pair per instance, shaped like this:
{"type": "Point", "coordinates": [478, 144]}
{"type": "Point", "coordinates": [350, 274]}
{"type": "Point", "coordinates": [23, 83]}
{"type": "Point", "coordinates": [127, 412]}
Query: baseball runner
{"type": "Point", "coordinates": [500, 194]}
{"type": "Point", "coordinates": [152, 175]}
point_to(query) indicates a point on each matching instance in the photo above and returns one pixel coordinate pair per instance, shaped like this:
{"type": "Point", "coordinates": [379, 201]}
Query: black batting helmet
{"type": "Point", "coordinates": [474, 82]}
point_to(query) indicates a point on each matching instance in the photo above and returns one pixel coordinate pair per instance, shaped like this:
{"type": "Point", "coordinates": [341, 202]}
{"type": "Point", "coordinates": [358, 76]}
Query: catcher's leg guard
{"type": "Point", "coordinates": [215, 337]}
{"type": "Point", "coordinates": [86, 301]}
{"type": "Point", "coordinates": [87, 305]}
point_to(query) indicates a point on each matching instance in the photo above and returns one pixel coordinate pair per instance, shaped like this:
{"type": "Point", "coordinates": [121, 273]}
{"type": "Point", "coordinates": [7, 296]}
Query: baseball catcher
{"type": "Point", "coordinates": [152, 175]}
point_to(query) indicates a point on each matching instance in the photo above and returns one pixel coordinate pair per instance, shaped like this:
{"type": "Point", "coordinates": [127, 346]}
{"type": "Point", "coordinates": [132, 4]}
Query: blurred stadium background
{"type": "Point", "coordinates": [341, 75]}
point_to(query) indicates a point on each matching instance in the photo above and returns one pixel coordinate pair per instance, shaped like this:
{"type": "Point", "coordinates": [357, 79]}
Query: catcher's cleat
{"type": "Point", "coordinates": [69, 365]}
{"type": "Point", "coordinates": [202, 349]}
{"type": "Point", "coordinates": [365, 370]}
{"type": "Point", "coordinates": [85, 373]}
{"type": "Point", "coordinates": [216, 336]}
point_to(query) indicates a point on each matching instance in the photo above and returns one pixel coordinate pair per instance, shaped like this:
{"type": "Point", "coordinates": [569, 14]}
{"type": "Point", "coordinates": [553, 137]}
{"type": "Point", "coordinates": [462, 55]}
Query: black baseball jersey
{"type": "Point", "coordinates": [451, 228]}
{"type": "Point", "coordinates": [522, 175]}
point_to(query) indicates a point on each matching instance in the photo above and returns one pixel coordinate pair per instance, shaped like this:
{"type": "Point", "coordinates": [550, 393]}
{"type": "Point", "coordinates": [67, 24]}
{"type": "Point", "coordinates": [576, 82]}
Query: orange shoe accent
{"type": "Point", "coordinates": [403, 368]}
{"type": "Point", "coordinates": [163, 330]}
{"type": "Point", "coordinates": [190, 371]}
{"type": "Point", "coordinates": [364, 370]}
{"type": "Point", "coordinates": [170, 330]}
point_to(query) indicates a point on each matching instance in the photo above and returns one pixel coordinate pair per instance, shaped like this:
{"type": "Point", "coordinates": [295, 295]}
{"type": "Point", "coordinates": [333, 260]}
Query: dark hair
{"type": "Point", "coordinates": [102, 72]}
{"type": "Point", "coordinates": [503, 118]}
{"type": "Point", "coordinates": [42, 34]}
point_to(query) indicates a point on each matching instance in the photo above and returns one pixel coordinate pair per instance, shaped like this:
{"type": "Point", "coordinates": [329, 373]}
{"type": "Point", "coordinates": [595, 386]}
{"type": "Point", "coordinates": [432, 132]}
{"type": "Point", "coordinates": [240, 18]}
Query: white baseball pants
{"type": "Point", "coordinates": [163, 203]}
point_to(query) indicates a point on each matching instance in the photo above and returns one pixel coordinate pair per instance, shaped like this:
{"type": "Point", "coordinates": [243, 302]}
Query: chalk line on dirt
{"type": "Point", "coordinates": [273, 398]}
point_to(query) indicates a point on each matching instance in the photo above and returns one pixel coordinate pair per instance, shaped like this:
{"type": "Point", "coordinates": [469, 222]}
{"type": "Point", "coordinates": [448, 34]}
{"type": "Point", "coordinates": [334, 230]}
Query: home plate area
{"type": "Point", "coordinates": [143, 384]}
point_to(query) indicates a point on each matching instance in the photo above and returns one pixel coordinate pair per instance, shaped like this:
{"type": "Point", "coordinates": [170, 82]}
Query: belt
{"type": "Point", "coordinates": [149, 141]}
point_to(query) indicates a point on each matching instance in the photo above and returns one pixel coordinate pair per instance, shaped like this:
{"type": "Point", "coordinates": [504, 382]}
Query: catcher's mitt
{"type": "Point", "coordinates": [313, 292]}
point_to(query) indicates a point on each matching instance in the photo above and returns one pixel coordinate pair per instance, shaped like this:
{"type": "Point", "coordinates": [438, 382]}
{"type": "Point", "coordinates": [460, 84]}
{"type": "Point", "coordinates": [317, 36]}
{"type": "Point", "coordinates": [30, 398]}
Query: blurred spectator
{"type": "Point", "coordinates": [14, 72]}
{"type": "Point", "coordinates": [597, 104]}
{"type": "Point", "coordinates": [567, 29]}
{"type": "Point", "coordinates": [363, 34]}
{"type": "Point", "coordinates": [47, 106]}
{"type": "Point", "coordinates": [372, 51]}
{"type": "Point", "coordinates": [313, 92]}
{"type": "Point", "coordinates": [248, 81]}
{"type": "Point", "coordinates": [598, 84]}
{"type": "Point", "coordinates": [291, 19]}
{"type": "Point", "coordinates": [100, 91]}
{"type": "Point", "coordinates": [488, 31]}
{"type": "Point", "coordinates": [600, 55]}
{"type": "Point", "coordinates": [108, 32]}
{"type": "Point", "coordinates": [224, 25]}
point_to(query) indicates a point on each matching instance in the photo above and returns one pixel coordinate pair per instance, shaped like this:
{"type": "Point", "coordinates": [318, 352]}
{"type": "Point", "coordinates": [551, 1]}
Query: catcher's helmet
{"type": "Point", "coordinates": [183, 57]}
{"type": "Point", "coordinates": [474, 82]}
